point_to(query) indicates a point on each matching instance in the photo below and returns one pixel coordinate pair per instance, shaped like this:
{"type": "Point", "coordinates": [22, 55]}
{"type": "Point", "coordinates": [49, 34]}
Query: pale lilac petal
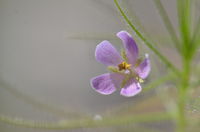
{"type": "Point", "coordinates": [144, 68]}
{"type": "Point", "coordinates": [106, 83]}
{"type": "Point", "coordinates": [106, 54]}
{"type": "Point", "coordinates": [130, 46]}
{"type": "Point", "coordinates": [131, 89]}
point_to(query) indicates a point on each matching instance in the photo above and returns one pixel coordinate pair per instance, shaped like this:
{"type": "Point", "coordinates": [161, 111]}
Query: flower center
{"type": "Point", "coordinates": [124, 66]}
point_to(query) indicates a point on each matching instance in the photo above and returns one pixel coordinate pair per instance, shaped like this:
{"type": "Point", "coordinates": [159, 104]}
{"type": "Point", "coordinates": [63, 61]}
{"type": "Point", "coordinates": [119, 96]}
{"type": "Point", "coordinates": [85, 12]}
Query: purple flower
{"type": "Point", "coordinates": [127, 69]}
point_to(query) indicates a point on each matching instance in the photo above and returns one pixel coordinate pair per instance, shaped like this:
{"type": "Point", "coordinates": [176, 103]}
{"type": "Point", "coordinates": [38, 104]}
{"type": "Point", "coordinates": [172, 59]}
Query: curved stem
{"type": "Point", "coordinates": [167, 23]}
{"type": "Point", "coordinates": [86, 123]}
{"type": "Point", "coordinates": [149, 44]}
{"type": "Point", "coordinates": [156, 83]}
{"type": "Point", "coordinates": [39, 104]}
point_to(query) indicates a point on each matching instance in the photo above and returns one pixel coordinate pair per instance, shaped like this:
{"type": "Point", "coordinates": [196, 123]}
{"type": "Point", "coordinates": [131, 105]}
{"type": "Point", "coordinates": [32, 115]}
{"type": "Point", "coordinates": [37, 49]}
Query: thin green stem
{"type": "Point", "coordinates": [159, 81]}
{"type": "Point", "coordinates": [39, 104]}
{"type": "Point", "coordinates": [85, 123]}
{"type": "Point", "coordinates": [167, 23]}
{"type": "Point", "coordinates": [134, 16]}
{"type": "Point", "coordinates": [183, 7]}
{"type": "Point", "coordinates": [182, 97]}
{"type": "Point", "coordinates": [149, 44]}
{"type": "Point", "coordinates": [196, 39]}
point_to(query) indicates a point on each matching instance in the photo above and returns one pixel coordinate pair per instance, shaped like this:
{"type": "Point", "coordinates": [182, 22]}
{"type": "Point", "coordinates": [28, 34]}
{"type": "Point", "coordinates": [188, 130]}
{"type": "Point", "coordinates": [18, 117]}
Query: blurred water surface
{"type": "Point", "coordinates": [47, 52]}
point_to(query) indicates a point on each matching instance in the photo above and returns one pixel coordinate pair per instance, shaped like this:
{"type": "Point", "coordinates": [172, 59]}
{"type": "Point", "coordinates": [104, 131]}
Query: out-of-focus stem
{"type": "Point", "coordinates": [39, 104]}
{"type": "Point", "coordinates": [182, 97]}
{"type": "Point", "coordinates": [167, 23]}
{"type": "Point", "coordinates": [86, 122]}
{"type": "Point", "coordinates": [195, 38]}
{"type": "Point", "coordinates": [184, 17]}
{"type": "Point", "coordinates": [183, 7]}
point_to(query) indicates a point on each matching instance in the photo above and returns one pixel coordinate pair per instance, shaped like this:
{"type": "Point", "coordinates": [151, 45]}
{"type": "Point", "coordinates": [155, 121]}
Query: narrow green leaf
{"type": "Point", "coordinates": [184, 18]}
{"type": "Point", "coordinates": [159, 81]}
{"type": "Point", "coordinates": [167, 23]}
{"type": "Point", "coordinates": [86, 123]}
{"type": "Point", "coordinates": [38, 104]}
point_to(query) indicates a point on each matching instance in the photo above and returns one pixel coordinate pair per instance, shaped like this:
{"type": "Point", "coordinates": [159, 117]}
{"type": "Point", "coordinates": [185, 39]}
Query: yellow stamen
{"type": "Point", "coordinates": [140, 80]}
{"type": "Point", "coordinates": [124, 66]}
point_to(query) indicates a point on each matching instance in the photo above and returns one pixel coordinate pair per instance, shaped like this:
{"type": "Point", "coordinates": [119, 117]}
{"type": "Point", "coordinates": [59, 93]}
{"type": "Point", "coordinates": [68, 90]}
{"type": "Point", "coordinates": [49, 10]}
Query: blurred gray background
{"type": "Point", "coordinates": [47, 52]}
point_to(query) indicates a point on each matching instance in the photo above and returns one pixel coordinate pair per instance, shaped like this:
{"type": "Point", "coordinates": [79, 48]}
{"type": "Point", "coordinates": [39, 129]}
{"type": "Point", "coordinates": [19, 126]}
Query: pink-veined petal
{"type": "Point", "coordinates": [106, 83]}
{"type": "Point", "coordinates": [131, 88]}
{"type": "Point", "coordinates": [106, 54]}
{"type": "Point", "coordinates": [129, 45]}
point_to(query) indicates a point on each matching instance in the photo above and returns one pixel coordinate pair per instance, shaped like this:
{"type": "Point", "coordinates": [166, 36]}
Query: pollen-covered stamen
{"type": "Point", "coordinates": [124, 66]}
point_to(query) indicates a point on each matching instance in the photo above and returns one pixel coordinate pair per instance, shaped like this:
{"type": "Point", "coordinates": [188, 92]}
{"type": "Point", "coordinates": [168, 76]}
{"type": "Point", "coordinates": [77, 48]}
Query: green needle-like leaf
{"type": "Point", "coordinates": [167, 23]}
{"type": "Point", "coordinates": [86, 123]}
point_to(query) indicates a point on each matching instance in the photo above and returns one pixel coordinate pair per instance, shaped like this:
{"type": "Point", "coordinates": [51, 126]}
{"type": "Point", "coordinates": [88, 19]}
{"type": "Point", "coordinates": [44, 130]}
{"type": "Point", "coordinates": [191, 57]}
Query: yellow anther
{"type": "Point", "coordinates": [140, 80]}
{"type": "Point", "coordinates": [124, 66]}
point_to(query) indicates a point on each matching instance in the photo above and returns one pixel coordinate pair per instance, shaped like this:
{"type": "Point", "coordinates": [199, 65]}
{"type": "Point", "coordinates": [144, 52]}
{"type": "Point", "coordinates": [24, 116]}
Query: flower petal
{"type": "Point", "coordinates": [130, 46]}
{"type": "Point", "coordinates": [131, 89]}
{"type": "Point", "coordinates": [144, 68]}
{"type": "Point", "coordinates": [106, 83]}
{"type": "Point", "coordinates": [105, 53]}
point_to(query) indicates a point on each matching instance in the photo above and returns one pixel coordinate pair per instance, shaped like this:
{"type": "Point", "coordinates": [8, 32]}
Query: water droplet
{"type": "Point", "coordinates": [97, 117]}
{"type": "Point", "coordinates": [146, 55]}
